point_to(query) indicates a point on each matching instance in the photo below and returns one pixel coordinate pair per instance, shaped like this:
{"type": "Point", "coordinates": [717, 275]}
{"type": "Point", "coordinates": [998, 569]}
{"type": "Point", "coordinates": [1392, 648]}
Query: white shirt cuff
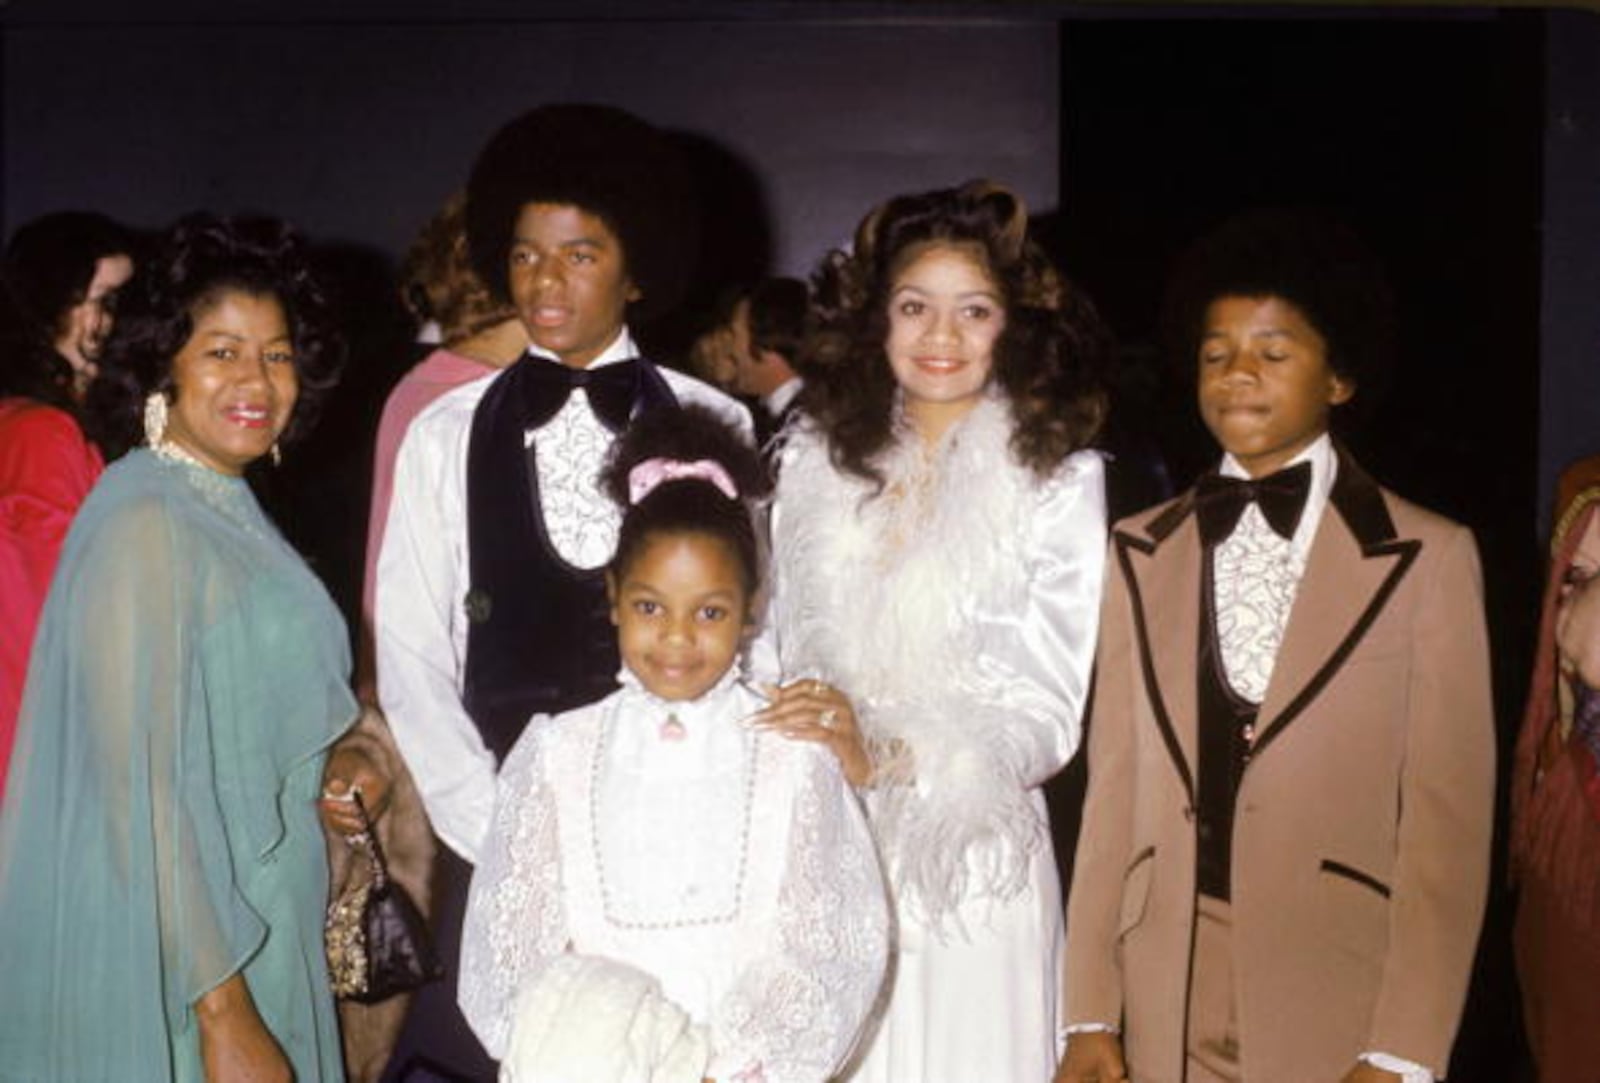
{"type": "Point", "coordinates": [1409, 1071]}
{"type": "Point", "coordinates": [1067, 1030]}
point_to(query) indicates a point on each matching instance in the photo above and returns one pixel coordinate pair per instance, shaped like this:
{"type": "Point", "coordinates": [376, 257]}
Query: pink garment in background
{"type": "Point", "coordinates": [431, 377]}
{"type": "Point", "coordinates": [47, 467]}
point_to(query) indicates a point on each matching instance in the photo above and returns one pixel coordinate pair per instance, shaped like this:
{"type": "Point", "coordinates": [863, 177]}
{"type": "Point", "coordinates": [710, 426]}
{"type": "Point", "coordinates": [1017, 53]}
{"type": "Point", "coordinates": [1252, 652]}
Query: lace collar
{"type": "Point", "coordinates": [719, 701]}
{"type": "Point", "coordinates": [228, 494]}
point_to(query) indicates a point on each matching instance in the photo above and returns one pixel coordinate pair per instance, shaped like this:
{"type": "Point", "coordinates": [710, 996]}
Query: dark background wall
{"type": "Point", "coordinates": [1569, 402]}
{"type": "Point", "coordinates": [356, 123]}
{"type": "Point", "coordinates": [358, 130]}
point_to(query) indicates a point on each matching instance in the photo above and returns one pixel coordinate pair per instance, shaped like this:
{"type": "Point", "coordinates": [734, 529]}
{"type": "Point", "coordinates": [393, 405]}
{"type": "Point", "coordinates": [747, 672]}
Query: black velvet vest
{"type": "Point", "coordinates": [539, 633]}
{"type": "Point", "coordinates": [1224, 750]}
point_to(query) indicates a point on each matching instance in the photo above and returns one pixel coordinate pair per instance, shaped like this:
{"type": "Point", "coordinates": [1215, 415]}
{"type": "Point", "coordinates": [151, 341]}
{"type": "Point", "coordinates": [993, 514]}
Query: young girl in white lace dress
{"type": "Point", "coordinates": [668, 894]}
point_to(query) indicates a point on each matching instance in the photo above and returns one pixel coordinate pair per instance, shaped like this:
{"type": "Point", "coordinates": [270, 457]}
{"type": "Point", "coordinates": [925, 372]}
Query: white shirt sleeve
{"type": "Point", "coordinates": [1041, 662]}
{"type": "Point", "coordinates": [1408, 1071]}
{"type": "Point", "coordinates": [420, 624]}
{"type": "Point", "coordinates": [692, 392]}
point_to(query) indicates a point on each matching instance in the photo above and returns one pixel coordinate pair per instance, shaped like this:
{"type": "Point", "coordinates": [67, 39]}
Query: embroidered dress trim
{"type": "Point", "coordinates": [226, 494]}
{"type": "Point", "coordinates": [702, 811]}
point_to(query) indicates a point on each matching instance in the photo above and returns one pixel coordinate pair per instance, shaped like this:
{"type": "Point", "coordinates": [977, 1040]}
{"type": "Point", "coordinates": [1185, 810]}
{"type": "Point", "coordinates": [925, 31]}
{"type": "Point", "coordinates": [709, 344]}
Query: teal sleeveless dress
{"type": "Point", "coordinates": [160, 831]}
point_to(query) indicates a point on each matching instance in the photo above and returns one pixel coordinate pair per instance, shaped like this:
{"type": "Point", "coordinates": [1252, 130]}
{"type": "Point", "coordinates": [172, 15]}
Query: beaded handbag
{"type": "Point", "coordinates": [376, 940]}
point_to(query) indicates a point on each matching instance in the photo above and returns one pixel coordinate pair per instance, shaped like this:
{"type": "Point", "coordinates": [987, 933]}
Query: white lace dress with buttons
{"type": "Point", "coordinates": [666, 894]}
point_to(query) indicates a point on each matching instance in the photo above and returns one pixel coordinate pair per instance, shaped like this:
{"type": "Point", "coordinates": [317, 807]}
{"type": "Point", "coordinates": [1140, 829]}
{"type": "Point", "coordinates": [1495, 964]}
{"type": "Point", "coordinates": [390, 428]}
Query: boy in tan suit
{"type": "Point", "coordinates": [1285, 844]}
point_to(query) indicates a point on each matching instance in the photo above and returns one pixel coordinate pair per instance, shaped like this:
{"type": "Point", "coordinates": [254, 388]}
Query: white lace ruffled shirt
{"type": "Point", "coordinates": [1256, 574]}
{"type": "Point", "coordinates": [572, 446]}
{"type": "Point", "coordinates": [732, 866]}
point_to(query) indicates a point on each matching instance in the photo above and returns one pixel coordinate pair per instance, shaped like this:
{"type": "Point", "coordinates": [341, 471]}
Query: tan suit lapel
{"type": "Point", "coordinates": [1355, 563]}
{"type": "Point", "coordinates": [1161, 564]}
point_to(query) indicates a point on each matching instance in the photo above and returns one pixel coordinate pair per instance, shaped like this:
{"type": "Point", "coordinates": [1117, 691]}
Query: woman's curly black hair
{"type": "Point", "coordinates": [1049, 360]}
{"type": "Point", "coordinates": [687, 505]}
{"type": "Point", "coordinates": [194, 263]}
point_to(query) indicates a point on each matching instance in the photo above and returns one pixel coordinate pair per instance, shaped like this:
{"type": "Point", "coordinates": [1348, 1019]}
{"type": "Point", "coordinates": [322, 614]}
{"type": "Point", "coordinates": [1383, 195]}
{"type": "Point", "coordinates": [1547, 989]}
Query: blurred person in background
{"type": "Point", "coordinates": [58, 286]}
{"type": "Point", "coordinates": [1555, 799]}
{"type": "Point", "coordinates": [767, 327]}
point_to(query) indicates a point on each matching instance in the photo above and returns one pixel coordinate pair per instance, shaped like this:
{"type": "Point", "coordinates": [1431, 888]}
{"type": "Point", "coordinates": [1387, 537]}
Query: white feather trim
{"type": "Point", "coordinates": [880, 596]}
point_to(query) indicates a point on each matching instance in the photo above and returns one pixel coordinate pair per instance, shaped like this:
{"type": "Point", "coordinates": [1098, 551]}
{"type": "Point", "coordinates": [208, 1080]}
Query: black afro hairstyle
{"type": "Point", "coordinates": [605, 161]}
{"type": "Point", "coordinates": [690, 505]}
{"type": "Point", "coordinates": [1307, 258]}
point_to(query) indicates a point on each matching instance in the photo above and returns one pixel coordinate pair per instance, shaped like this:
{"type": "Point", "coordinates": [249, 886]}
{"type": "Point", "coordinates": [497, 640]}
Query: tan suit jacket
{"type": "Point", "coordinates": [1363, 821]}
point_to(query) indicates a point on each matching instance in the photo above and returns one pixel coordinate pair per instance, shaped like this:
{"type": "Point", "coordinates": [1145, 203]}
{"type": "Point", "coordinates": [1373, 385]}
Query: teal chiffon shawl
{"type": "Point", "coordinates": [159, 832]}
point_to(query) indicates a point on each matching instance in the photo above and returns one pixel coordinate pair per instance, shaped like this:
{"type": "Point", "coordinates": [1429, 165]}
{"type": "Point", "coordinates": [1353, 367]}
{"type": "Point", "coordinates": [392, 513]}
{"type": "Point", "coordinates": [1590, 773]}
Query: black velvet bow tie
{"type": "Point", "coordinates": [612, 390]}
{"type": "Point", "coordinates": [1219, 501]}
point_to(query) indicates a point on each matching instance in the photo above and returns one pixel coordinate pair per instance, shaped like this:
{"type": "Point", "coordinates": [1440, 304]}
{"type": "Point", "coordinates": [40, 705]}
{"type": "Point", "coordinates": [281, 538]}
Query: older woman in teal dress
{"type": "Point", "coordinates": [162, 865]}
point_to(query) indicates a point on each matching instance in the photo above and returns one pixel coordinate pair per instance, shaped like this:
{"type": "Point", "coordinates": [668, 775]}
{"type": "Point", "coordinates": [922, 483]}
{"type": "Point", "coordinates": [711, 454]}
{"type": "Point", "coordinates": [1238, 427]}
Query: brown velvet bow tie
{"type": "Point", "coordinates": [1219, 501]}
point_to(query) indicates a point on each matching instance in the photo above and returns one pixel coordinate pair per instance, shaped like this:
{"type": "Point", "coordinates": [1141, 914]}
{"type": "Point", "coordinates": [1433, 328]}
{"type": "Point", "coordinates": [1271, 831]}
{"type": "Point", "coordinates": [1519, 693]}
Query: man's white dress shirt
{"type": "Point", "coordinates": [781, 396]}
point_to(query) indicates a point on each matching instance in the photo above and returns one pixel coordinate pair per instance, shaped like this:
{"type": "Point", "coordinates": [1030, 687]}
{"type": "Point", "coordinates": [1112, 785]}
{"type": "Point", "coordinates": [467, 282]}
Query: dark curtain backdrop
{"type": "Point", "coordinates": [1427, 137]}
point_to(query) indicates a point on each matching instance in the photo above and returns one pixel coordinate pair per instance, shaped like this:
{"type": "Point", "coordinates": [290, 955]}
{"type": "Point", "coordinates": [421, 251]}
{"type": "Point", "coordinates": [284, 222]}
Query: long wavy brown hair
{"type": "Point", "coordinates": [1049, 360]}
{"type": "Point", "coordinates": [438, 281]}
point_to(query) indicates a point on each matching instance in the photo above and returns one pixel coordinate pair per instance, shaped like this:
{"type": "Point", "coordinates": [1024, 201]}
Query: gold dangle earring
{"type": "Point", "coordinates": [277, 454]}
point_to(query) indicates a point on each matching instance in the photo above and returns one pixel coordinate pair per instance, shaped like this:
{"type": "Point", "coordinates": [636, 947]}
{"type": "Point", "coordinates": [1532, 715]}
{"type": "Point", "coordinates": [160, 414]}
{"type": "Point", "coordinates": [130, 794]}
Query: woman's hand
{"type": "Point", "coordinates": [813, 711]}
{"type": "Point", "coordinates": [235, 1045]}
{"type": "Point", "coordinates": [1366, 1073]}
{"type": "Point", "coordinates": [349, 770]}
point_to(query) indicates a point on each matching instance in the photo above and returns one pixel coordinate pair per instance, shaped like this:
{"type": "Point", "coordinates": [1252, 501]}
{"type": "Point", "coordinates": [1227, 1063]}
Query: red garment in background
{"type": "Point", "coordinates": [1555, 832]}
{"type": "Point", "coordinates": [47, 467]}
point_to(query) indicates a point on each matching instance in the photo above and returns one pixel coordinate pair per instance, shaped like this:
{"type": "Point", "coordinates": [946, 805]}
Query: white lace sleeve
{"type": "Point", "coordinates": [794, 1011]}
{"type": "Point", "coordinates": [516, 918]}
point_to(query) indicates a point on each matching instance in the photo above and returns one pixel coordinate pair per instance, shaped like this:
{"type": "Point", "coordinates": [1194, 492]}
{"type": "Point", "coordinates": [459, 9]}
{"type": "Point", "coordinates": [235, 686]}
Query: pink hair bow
{"type": "Point", "coordinates": [644, 477]}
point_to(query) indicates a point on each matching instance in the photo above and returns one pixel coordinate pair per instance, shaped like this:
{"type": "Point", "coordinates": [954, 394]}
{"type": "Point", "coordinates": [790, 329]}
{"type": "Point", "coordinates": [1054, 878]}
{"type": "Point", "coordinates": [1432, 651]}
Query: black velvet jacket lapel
{"type": "Point", "coordinates": [1160, 559]}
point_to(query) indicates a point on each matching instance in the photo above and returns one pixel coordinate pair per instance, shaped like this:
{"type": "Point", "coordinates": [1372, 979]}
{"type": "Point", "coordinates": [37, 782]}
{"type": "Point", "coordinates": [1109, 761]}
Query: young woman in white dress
{"type": "Point", "coordinates": [668, 894]}
{"type": "Point", "coordinates": [939, 541]}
